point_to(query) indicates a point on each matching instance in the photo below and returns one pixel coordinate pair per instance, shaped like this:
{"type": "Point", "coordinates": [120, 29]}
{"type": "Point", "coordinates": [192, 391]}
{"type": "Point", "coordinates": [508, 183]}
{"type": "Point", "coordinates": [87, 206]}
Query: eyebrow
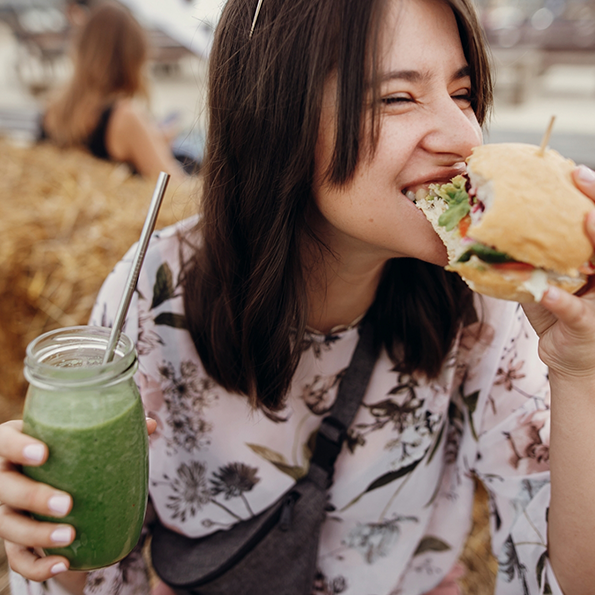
{"type": "Point", "coordinates": [416, 76]}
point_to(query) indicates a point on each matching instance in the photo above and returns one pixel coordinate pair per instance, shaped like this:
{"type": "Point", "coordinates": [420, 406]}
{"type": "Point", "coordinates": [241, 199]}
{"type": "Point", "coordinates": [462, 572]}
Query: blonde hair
{"type": "Point", "coordinates": [110, 52]}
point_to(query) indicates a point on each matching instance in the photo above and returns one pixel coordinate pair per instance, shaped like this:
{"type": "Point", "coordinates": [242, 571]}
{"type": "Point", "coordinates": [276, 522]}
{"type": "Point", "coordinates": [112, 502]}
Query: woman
{"type": "Point", "coordinates": [323, 114]}
{"type": "Point", "coordinates": [98, 109]}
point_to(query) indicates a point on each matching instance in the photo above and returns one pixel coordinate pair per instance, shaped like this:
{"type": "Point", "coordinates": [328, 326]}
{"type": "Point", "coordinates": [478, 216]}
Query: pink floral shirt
{"type": "Point", "coordinates": [403, 487]}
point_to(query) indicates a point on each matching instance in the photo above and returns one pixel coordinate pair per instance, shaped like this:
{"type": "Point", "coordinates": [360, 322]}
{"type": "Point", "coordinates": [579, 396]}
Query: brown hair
{"type": "Point", "coordinates": [110, 52]}
{"type": "Point", "coordinates": [245, 298]}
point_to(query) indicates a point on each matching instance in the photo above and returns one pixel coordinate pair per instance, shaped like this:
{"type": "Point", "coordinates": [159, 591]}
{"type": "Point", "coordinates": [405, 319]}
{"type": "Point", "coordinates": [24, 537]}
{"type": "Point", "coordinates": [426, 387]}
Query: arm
{"type": "Point", "coordinates": [132, 137]}
{"type": "Point", "coordinates": [566, 326]}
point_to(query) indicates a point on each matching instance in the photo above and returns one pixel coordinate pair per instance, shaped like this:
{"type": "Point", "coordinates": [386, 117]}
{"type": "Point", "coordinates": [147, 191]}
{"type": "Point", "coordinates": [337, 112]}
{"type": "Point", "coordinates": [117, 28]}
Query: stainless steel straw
{"type": "Point", "coordinates": [136, 265]}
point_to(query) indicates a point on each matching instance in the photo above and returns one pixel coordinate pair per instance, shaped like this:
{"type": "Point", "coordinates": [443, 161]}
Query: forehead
{"type": "Point", "coordinates": [419, 31]}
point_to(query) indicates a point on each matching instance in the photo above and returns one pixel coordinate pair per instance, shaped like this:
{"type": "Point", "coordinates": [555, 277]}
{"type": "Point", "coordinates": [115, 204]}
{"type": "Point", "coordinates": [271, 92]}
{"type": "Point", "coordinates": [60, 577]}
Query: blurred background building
{"type": "Point", "coordinates": [543, 50]}
{"type": "Point", "coordinates": [544, 53]}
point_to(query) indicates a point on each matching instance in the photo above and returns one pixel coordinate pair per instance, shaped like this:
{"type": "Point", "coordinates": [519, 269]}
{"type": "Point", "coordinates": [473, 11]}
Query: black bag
{"type": "Point", "coordinates": [275, 552]}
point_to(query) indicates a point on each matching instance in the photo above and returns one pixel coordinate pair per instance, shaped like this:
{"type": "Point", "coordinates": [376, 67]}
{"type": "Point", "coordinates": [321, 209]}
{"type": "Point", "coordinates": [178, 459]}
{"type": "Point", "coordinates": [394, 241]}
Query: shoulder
{"type": "Point", "coordinates": [128, 114]}
{"type": "Point", "coordinates": [173, 245]}
{"type": "Point", "coordinates": [167, 250]}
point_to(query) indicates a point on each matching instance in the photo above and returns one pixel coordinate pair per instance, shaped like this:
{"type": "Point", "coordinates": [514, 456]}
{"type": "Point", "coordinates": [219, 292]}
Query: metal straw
{"type": "Point", "coordinates": [136, 265]}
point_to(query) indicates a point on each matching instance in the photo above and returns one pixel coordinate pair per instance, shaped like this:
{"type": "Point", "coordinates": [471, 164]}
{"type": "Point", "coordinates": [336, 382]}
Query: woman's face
{"type": "Point", "coordinates": [427, 129]}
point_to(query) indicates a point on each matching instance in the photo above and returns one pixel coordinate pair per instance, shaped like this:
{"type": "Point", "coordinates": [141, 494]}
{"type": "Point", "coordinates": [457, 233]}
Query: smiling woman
{"type": "Point", "coordinates": [323, 116]}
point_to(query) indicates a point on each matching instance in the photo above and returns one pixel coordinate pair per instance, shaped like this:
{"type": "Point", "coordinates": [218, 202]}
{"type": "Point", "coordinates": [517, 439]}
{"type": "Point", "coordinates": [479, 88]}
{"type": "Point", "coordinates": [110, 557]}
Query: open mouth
{"type": "Point", "coordinates": [416, 193]}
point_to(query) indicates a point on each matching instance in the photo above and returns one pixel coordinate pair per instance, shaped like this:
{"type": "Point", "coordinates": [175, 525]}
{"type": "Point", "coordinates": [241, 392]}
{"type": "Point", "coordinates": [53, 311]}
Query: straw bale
{"type": "Point", "coordinates": [66, 218]}
{"type": "Point", "coordinates": [477, 557]}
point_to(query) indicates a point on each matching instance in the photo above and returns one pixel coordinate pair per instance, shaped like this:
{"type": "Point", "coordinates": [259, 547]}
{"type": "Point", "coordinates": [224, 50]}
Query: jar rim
{"type": "Point", "coordinates": [59, 358]}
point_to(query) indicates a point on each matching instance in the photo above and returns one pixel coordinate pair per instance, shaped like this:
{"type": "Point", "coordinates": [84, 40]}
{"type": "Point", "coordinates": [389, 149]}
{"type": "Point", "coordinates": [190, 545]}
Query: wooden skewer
{"type": "Point", "coordinates": [546, 137]}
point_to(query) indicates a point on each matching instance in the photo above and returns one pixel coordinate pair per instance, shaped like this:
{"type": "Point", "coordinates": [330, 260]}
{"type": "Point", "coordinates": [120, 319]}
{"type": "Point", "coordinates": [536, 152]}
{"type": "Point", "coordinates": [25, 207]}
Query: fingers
{"type": "Point", "coordinates": [22, 493]}
{"type": "Point", "coordinates": [21, 533]}
{"type": "Point", "coordinates": [569, 309]}
{"type": "Point", "coordinates": [25, 531]}
{"type": "Point", "coordinates": [28, 564]}
{"type": "Point", "coordinates": [590, 225]}
{"type": "Point", "coordinates": [585, 180]}
{"type": "Point", "coordinates": [20, 448]}
{"type": "Point", "coordinates": [151, 425]}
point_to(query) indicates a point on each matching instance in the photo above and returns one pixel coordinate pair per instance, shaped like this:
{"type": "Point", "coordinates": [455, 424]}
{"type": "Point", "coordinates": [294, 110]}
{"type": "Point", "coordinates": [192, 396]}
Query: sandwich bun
{"type": "Point", "coordinates": [526, 210]}
{"type": "Point", "coordinates": [537, 214]}
{"type": "Point", "coordinates": [513, 285]}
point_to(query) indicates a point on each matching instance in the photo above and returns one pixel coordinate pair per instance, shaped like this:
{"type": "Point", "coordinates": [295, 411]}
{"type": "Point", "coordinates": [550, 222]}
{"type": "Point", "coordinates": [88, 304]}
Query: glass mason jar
{"type": "Point", "coordinates": [91, 417]}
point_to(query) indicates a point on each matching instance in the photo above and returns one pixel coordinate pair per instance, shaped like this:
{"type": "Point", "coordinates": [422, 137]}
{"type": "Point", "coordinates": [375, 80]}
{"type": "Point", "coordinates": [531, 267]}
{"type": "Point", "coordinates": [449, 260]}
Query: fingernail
{"type": "Point", "coordinates": [552, 294]}
{"type": "Point", "coordinates": [34, 452]}
{"type": "Point", "coordinates": [586, 174]}
{"type": "Point", "coordinates": [62, 535]}
{"type": "Point", "coordinates": [59, 504]}
{"type": "Point", "coordinates": [58, 568]}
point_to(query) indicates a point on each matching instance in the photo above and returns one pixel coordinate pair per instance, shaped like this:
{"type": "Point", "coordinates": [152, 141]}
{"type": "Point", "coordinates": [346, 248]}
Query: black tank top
{"type": "Point", "coordinates": [95, 142]}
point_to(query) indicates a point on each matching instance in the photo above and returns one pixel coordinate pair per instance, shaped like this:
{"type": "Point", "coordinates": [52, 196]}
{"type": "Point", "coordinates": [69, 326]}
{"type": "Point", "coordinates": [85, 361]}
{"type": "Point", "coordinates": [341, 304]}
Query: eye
{"type": "Point", "coordinates": [396, 99]}
{"type": "Point", "coordinates": [463, 98]}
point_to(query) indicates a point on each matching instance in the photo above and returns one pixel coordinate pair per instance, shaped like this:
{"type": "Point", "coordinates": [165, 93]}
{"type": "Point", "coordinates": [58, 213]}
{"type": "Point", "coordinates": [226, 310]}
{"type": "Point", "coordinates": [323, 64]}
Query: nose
{"type": "Point", "coordinates": [452, 131]}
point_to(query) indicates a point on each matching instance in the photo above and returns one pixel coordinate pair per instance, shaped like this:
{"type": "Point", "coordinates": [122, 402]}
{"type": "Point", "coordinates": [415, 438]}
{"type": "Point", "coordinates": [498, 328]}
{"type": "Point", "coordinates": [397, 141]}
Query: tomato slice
{"type": "Point", "coordinates": [514, 266]}
{"type": "Point", "coordinates": [464, 224]}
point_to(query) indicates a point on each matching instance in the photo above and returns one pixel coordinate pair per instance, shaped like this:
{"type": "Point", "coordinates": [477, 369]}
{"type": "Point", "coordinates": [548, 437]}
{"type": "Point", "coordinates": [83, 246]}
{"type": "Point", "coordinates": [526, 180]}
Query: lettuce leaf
{"type": "Point", "coordinates": [455, 196]}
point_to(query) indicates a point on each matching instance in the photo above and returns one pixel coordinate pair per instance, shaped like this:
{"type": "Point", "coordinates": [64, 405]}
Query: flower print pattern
{"type": "Point", "coordinates": [454, 433]}
{"type": "Point", "coordinates": [233, 481]}
{"type": "Point", "coordinates": [187, 396]}
{"type": "Point", "coordinates": [507, 376]}
{"type": "Point", "coordinates": [317, 345]}
{"type": "Point", "coordinates": [511, 566]}
{"type": "Point", "coordinates": [376, 540]}
{"type": "Point", "coordinates": [526, 448]}
{"type": "Point", "coordinates": [148, 339]}
{"type": "Point", "coordinates": [329, 586]}
{"type": "Point", "coordinates": [317, 394]}
{"type": "Point", "coordinates": [412, 423]}
{"type": "Point", "coordinates": [189, 490]}
{"type": "Point", "coordinates": [121, 578]}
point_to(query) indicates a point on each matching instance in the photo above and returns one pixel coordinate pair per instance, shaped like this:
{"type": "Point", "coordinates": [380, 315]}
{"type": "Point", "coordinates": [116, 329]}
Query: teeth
{"type": "Point", "coordinates": [419, 194]}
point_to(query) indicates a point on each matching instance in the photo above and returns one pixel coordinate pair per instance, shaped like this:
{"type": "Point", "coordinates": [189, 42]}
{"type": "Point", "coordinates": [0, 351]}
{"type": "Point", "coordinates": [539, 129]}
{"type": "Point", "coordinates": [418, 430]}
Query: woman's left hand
{"type": "Point", "coordinates": [565, 323]}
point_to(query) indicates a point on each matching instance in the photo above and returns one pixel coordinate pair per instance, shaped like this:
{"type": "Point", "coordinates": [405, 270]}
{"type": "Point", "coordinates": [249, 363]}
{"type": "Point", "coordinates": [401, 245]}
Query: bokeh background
{"type": "Point", "coordinates": [66, 218]}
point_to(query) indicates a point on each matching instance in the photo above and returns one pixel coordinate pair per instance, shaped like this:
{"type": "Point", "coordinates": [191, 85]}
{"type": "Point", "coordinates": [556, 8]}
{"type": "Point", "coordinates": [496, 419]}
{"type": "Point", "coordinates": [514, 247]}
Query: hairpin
{"type": "Point", "coordinates": [255, 18]}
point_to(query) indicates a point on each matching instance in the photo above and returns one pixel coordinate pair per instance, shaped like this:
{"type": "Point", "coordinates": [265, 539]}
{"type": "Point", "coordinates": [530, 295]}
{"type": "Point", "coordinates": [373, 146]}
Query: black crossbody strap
{"type": "Point", "coordinates": [352, 388]}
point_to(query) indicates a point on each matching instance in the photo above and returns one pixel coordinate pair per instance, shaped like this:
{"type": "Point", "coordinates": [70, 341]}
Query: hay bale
{"type": "Point", "coordinates": [477, 556]}
{"type": "Point", "coordinates": [66, 218]}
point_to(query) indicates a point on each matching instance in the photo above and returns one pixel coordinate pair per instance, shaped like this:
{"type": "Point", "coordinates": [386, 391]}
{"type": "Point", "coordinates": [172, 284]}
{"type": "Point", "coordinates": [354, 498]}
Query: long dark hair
{"type": "Point", "coordinates": [245, 297]}
{"type": "Point", "coordinates": [111, 50]}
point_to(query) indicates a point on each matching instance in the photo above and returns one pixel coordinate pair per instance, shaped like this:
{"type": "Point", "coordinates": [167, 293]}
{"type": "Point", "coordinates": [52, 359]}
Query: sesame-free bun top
{"type": "Point", "coordinates": [534, 211]}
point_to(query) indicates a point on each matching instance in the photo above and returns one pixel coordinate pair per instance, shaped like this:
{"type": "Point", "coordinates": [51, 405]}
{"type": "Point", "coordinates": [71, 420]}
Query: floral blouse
{"type": "Point", "coordinates": [403, 487]}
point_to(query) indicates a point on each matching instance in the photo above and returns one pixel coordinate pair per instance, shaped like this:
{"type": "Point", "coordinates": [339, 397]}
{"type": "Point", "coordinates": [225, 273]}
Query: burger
{"type": "Point", "coordinates": [514, 223]}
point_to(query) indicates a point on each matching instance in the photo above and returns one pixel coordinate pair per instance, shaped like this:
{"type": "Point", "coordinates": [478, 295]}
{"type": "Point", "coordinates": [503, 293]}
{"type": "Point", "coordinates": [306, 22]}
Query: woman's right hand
{"type": "Point", "coordinates": [24, 536]}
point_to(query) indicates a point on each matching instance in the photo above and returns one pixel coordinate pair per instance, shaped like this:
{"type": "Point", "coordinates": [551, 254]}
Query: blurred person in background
{"type": "Point", "coordinates": [77, 11]}
{"type": "Point", "coordinates": [99, 109]}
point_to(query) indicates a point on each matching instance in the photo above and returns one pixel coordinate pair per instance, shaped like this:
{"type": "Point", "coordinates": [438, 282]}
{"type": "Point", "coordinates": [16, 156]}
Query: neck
{"type": "Point", "coordinates": [339, 294]}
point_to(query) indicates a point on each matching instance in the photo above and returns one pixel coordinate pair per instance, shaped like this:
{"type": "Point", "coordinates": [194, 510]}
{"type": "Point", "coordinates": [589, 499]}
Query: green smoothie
{"type": "Point", "coordinates": [98, 448]}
